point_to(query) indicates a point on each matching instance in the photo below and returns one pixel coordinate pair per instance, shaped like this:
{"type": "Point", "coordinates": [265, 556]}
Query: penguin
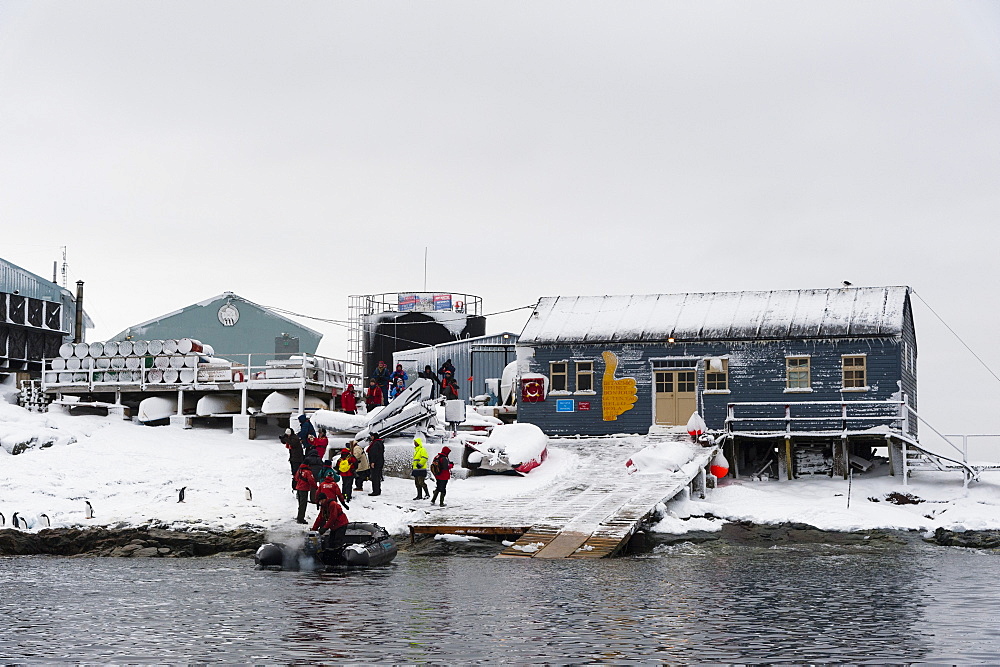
{"type": "Point", "coordinates": [847, 283]}
{"type": "Point", "coordinates": [180, 494]}
{"type": "Point", "coordinates": [15, 520]}
{"type": "Point", "coordinates": [249, 493]}
{"type": "Point", "coordinates": [3, 519]}
{"type": "Point", "coordinates": [48, 522]}
{"type": "Point", "coordinates": [90, 510]}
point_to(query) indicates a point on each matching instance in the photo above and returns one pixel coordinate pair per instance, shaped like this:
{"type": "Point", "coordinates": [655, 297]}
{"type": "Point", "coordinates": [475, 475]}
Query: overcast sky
{"type": "Point", "coordinates": [296, 153]}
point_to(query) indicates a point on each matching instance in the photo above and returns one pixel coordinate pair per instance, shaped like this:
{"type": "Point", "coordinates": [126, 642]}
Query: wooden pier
{"type": "Point", "coordinates": [578, 517]}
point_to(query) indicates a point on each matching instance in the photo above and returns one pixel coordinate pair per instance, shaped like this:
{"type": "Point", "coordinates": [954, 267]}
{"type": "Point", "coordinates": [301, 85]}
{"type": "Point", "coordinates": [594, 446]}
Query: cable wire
{"type": "Point", "coordinates": [941, 319]}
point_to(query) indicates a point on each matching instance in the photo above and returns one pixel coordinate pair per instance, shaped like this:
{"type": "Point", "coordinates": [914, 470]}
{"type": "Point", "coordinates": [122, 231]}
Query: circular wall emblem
{"type": "Point", "coordinates": [228, 315]}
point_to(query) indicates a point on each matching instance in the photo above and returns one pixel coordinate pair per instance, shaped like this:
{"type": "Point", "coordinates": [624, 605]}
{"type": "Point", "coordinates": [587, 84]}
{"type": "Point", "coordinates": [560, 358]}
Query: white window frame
{"type": "Point", "coordinates": [724, 373]}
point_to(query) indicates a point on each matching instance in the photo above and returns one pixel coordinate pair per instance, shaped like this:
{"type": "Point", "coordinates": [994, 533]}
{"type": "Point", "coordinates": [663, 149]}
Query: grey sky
{"type": "Point", "coordinates": [296, 153]}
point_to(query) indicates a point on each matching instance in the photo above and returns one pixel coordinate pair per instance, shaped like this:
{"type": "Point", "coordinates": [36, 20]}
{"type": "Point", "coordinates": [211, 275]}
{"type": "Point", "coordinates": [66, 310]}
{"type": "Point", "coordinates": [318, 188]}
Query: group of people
{"type": "Point", "coordinates": [328, 482]}
{"type": "Point", "coordinates": [325, 481]}
{"type": "Point", "coordinates": [385, 385]}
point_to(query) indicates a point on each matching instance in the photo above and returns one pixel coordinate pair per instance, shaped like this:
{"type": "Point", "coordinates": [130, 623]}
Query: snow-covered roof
{"type": "Point", "coordinates": [822, 313]}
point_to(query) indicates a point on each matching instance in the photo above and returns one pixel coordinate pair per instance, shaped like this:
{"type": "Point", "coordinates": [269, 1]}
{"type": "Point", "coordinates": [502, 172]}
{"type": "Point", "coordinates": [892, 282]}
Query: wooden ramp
{"type": "Point", "coordinates": [577, 518]}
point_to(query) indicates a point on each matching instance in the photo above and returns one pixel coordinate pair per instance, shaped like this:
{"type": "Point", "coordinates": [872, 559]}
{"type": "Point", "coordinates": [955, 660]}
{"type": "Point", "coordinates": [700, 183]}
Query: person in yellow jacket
{"type": "Point", "coordinates": [420, 468]}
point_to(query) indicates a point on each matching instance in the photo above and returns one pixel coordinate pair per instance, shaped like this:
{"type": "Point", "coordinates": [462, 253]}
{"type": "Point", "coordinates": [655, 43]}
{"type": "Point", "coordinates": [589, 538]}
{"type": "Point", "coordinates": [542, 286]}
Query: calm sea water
{"type": "Point", "coordinates": [711, 603]}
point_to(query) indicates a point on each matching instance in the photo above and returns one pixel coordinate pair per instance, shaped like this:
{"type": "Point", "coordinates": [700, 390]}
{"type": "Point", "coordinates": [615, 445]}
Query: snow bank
{"type": "Point", "coordinates": [340, 422]}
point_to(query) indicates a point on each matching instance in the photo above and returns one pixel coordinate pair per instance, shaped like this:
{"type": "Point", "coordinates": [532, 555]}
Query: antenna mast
{"type": "Point", "coordinates": [65, 267]}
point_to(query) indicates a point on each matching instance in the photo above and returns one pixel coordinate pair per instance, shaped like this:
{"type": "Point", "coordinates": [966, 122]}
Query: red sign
{"type": "Point", "coordinates": [583, 405]}
{"type": "Point", "coordinates": [532, 390]}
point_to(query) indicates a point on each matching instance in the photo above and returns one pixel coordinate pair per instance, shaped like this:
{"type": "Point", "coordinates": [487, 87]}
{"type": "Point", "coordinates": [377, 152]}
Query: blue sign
{"type": "Point", "coordinates": [565, 405]}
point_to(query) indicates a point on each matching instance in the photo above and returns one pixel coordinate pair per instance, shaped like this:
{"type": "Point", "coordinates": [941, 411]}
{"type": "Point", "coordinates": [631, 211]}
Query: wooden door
{"type": "Point", "coordinates": [675, 396]}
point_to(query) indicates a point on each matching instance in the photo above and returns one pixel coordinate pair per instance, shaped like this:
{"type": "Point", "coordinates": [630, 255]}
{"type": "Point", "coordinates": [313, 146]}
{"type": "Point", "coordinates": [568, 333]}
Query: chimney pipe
{"type": "Point", "coordinates": [78, 332]}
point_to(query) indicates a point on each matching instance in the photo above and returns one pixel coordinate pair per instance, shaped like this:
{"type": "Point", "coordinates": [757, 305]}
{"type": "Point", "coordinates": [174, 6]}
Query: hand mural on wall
{"type": "Point", "coordinates": [618, 395]}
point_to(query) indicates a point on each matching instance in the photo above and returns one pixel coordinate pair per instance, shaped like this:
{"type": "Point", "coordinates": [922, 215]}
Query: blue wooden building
{"type": "Point", "coordinates": [828, 374]}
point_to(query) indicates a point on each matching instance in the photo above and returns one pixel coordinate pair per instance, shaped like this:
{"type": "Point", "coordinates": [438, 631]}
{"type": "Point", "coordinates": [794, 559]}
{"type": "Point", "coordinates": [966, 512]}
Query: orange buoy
{"type": "Point", "coordinates": [696, 425]}
{"type": "Point", "coordinates": [719, 466]}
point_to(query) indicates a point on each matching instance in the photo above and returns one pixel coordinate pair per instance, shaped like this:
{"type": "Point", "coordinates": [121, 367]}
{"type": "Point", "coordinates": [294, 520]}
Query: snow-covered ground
{"type": "Point", "coordinates": [131, 474]}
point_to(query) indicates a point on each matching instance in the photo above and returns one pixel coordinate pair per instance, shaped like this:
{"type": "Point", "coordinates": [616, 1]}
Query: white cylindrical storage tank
{"type": "Point", "coordinates": [111, 376]}
{"type": "Point", "coordinates": [133, 363]}
{"type": "Point", "coordinates": [155, 347]}
{"type": "Point", "coordinates": [125, 348]}
{"type": "Point", "coordinates": [176, 361]}
{"type": "Point", "coordinates": [154, 375]}
{"type": "Point", "coordinates": [66, 350]}
{"type": "Point", "coordinates": [65, 377]}
{"type": "Point", "coordinates": [140, 347]}
{"type": "Point", "coordinates": [51, 377]}
{"type": "Point", "coordinates": [79, 377]}
{"type": "Point", "coordinates": [80, 350]}
{"type": "Point", "coordinates": [87, 363]}
{"type": "Point", "coordinates": [187, 375]}
{"type": "Point", "coordinates": [171, 375]}
{"type": "Point", "coordinates": [110, 348]}
{"type": "Point", "coordinates": [96, 349]}
{"type": "Point", "coordinates": [191, 360]}
{"type": "Point", "coordinates": [170, 346]}
{"type": "Point", "coordinates": [207, 350]}
{"type": "Point", "coordinates": [58, 364]}
{"type": "Point", "coordinates": [73, 364]}
{"type": "Point", "coordinates": [161, 362]}
{"type": "Point", "coordinates": [188, 345]}
{"type": "Point", "coordinates": [102, 362]}
{"type": "Point", "coordinates": [117, 362]}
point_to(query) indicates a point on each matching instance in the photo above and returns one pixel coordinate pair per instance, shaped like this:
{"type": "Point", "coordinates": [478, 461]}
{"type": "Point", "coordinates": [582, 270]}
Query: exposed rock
{"type": "Point", "coordinates": [972, 539]}
{"type": "Point", "coordinates": [146, 552]}
{"type": "Point", "coordinates": [127, 541]}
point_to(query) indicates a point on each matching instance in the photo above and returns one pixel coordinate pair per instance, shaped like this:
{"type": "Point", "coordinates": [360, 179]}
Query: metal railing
{"type": "Point", "coordinates": [148, 372]}
{"type": "Point", "coordinates": [895, 415]}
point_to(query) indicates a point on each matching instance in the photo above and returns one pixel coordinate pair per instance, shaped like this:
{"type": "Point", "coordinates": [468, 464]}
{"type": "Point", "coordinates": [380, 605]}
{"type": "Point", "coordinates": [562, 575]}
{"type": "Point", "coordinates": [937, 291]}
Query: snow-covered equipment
{"type": "Point", "coordinates": [364, 545]}
{"type": "Point", "coordinates": [661, 457]}
{"type": "Point", "coordinates": [696, 426]}
{"type": "Point", "coordinates": [218, 403]}
{"type": "Point", "coordinates": [413, 408]}
{"type": "Point", "coordinates": [508, 447]}
{"type": "Point", "coordinates": [160, 408]}
{"type": "Point", "coordinates": [287, 402]}
{"type": "Point", "coordinates": [719, 466]}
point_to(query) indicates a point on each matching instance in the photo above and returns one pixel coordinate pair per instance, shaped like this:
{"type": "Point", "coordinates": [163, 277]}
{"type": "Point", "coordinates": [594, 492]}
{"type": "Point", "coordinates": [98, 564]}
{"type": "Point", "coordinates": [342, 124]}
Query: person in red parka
{"type": "Point", "coordinates": [330, 488]}
{"type": "Point", "coordinates": [348, 401]}
{"type": "Point", "coordinates": [320, 442]}
{"type": "Point", "coordinates": [373, 395]}
{"type": "Point", "coordinates": [441, 469]}
{"type": "Point", "coordinates": [331, 518]}
{"type": "Point", "coordinates": [305, 483]}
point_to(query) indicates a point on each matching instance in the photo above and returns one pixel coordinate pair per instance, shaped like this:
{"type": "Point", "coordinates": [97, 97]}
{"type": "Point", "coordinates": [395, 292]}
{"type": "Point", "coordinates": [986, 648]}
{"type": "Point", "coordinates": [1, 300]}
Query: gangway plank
{"type": "Point", "coordinates": [577, 518]}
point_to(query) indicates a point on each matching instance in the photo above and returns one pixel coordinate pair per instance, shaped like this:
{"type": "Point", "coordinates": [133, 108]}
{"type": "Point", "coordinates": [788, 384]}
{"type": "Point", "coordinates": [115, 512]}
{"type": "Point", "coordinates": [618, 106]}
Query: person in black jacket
{"type": "Point", "coordinates": [382, 375]}
{"type": "Point", "coordinates": [376, 459]}
{"type": "Point", "coordinates": [447, 368]}
{"type": "Point", "coordinates": [449, 387]}
{"type": "Point", "coordinates": [428, 374]}
{"type": "Point", "coordinates": [315, 463]}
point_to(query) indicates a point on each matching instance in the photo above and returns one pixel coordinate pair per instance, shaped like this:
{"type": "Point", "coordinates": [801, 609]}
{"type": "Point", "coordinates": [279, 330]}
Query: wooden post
{"type": "Point", "coordinates": [840, 463]}
{"type": "Point", "coordinates": [789, 463]}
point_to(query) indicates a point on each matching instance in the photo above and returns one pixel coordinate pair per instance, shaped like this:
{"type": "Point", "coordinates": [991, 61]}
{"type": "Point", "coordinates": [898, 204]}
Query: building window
{"type": "Point", "coordinates": [717, 375]}
{"type": "Point", "coordinates": [585, 376]}
{"type": "Point", "coordinates": [854, 372]}
{"type": "Point", "coordinates": [797, 373]}
{"type": "Point", "coordinates": [557, 375]}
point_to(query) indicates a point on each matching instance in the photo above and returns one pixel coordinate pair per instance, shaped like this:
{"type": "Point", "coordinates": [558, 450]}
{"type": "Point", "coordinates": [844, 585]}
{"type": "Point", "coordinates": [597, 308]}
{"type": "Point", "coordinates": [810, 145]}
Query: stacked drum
{"type": "Point", "coordinates": [125, 362]}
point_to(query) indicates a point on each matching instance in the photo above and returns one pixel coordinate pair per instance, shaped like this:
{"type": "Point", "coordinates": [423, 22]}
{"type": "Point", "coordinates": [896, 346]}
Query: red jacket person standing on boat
{"type": "Point", "coordinates": [331, 518]}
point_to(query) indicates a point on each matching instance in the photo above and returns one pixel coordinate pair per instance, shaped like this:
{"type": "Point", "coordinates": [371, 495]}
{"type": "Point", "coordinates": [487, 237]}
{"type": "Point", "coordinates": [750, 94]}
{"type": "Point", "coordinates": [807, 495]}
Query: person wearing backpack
{"type": "Point", "coordinates": [346, 465]}
{"type": "Point", "coordinates": [364, 466]}
{"type": "Point", "coordinates": [441, 469]}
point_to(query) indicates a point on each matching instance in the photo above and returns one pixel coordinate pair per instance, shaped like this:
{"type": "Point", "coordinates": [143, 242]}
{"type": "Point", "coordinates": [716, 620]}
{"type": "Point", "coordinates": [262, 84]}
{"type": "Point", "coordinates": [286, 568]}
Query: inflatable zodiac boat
{"type": "Point", "coordinates": [364, 545]}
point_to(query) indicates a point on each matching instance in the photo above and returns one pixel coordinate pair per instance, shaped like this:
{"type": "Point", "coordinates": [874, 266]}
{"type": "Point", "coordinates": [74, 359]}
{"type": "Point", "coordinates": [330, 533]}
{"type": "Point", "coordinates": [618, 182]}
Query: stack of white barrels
{"type": "Point", "coordinates": [124, 362]}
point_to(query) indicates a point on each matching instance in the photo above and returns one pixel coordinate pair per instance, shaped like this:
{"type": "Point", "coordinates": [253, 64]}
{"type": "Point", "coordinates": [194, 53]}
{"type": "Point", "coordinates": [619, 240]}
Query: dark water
{"type": "Point", "coordinates": [716, 603]}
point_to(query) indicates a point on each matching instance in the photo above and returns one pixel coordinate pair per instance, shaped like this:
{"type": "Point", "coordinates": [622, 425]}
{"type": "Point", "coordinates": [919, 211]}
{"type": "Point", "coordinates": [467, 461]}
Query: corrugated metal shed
{"type": "Point", "coordinates": [480, 358]}
{"type": "Point", "coordinates": [13, 279]}
{"type": "Point", "coordinates": [796, 314]}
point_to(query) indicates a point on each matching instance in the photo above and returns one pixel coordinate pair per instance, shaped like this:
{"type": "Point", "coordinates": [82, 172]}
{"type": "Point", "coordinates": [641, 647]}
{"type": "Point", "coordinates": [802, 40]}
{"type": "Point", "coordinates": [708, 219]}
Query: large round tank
{"type": "Point", "coordinates": [392, 322]}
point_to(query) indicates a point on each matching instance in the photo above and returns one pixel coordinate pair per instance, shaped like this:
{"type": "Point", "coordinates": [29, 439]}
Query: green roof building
{"type": "Point", "coordinates": [233, 326]}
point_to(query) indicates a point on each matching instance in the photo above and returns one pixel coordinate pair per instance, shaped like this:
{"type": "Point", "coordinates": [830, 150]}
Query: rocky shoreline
{"type": "Point", "coordinates": [141, 542]}
{"type": "Point", "coordinates": [156, 542]}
